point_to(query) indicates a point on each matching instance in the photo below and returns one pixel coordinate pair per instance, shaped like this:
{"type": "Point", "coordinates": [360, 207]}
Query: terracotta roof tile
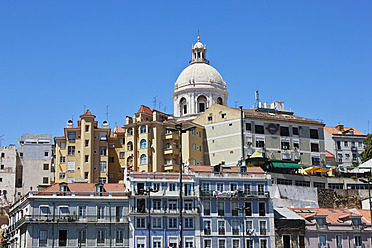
{"type": "Point", "coordinates": [207, 168]}
{"type": "Point", "coordinates": [144, 109]}
{"type": "Point", "coordinates": [333, 130]}
{"type": "Point", "coordinates": [88, 187]}
{"type": "Point", "coordinates": [87, 113]}
{"type": "Point", "coordinates": [332, 214]}
{"type": "Point", "coordinates": [329, 154]}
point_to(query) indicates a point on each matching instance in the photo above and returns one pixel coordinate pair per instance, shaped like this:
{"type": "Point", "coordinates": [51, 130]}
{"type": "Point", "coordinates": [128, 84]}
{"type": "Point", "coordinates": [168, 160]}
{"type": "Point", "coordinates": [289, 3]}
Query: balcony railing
{"type": "Point", "coordinates": [234, 194]}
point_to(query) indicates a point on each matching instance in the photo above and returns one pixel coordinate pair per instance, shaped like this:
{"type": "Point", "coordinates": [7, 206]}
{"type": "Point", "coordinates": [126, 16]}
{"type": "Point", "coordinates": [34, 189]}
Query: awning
{"type": "Point", "coordinates": [286, 165]}
{"type": "Point", "coordinates": [316, 169]}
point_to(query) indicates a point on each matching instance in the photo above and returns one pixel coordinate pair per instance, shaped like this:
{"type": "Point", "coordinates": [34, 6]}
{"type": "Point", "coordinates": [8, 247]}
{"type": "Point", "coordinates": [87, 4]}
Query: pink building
{"type": "Point", "coordinates": [336, 228]}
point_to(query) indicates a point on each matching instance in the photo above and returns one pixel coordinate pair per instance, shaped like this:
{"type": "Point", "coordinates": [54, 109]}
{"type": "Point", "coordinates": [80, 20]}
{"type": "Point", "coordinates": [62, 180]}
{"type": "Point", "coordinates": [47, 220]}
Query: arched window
{"type": "Point", "coordinates": [219, 101]}
{"type": "Point", "coordinates": [130, 146]}
{"type": "Point", "coordinates": [143, 129]}
{"type": "Point", "coordinates": [143, 143]}
{"type": "Point", "coordinates": [130, 161]}
{"type": "Point", "coordinates": [183, 106]}
{"type": "Point", "coordinates": [143, 159]}
{"type": "Point", "coordinates": [130, 131]}
{"type": "Point", "coordinates": [202, 103]}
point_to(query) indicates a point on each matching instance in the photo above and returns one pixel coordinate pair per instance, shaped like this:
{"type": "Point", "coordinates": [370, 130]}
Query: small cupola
{"type": "Point", "coordinates": [199, 53]}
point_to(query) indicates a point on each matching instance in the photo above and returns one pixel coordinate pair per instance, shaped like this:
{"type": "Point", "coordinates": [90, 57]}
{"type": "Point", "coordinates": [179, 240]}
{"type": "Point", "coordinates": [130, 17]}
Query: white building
{"type": "Point", "coordinates": [346, 143]}
{"type": "Point", "coordinates": [8, 165]}
{"type": "Point", "coordinates": [35, 153]}
{"type": "Point", "coordinates": [198, 87]}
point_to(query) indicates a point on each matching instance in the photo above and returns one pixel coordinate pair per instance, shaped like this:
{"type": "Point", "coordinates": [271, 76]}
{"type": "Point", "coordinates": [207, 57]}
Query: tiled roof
{"type": "Point", "coordinates": [87, 113]}
{"type": "Point", "coordinates": [329, 154]}
{"type": "Point", "coordinates": [333, 130]}
{"type": "Point", "coordinates": [207, 168]}
{"type": "Point", "coordinates": [159, 175]}
{"type": "Point", "coordinates": [144, 109]}
{"type": "Point", "coordinates": [279, 117]}
{"type": "Point", "coordinates": [333, 215]}
{"type": "Point", "coordinates": [119, 129]}
{"type": "Point", "coordinates": [88, 187]}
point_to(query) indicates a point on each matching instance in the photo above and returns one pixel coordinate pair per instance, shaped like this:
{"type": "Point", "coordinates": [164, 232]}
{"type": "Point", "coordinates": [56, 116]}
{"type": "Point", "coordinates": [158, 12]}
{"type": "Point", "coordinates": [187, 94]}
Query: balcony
{"type": "Point", "coordinates": [172, 151]}
{"type": "Point", "coordinates": [234, 194]}
{"type": "Point", "coordinates": [171, 167]}
{"type": "Point", "coordinates": [171, 136]}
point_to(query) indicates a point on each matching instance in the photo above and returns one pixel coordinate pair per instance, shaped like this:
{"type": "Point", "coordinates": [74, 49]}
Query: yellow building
{"type": "Point", "coordinates": [82, 153]}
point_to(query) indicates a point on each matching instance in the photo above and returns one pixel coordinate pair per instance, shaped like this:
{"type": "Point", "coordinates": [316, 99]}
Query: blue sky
{"type": "Point", "coordinates": [57, 56]}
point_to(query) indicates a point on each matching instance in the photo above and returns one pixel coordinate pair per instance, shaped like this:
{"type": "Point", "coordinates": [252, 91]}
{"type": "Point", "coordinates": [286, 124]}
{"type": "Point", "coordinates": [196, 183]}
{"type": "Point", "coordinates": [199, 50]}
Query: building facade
{"type": "Point", "coordinates": [8, 166]}
{"type": "Point", "coordinates": [71, 215]}
{"type": "Point", "coordinates": [35, 169]}
{"type": "Point", "coordinates": [233, 134]}
{"type": "Point", "coordinates": [235, 206]}
{"type": "Point", "coordinates": [345, 143]}
{"type": "Point", "coordinates": [339, 228]}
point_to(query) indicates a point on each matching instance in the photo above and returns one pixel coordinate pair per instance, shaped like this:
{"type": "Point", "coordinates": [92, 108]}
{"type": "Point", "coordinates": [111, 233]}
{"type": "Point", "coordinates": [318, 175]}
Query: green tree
{"type": "Point", "coordinates": [367, 154]}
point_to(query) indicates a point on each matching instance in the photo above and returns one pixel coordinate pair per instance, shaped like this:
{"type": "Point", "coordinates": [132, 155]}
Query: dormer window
{"type": "Point", "coordinates": [63, 187]}
{"type": "Point", "coordinates": [321, 222]}
{"type": "Point", "coordinates": [356, 223]}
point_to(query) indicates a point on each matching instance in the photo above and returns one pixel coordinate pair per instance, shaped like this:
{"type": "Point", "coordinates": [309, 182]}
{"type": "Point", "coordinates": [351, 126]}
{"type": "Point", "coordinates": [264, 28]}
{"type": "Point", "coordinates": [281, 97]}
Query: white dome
{"type": "Point", "coordinates": [198, 45]}
{"type": "Point", "coordinates": [199, 73]}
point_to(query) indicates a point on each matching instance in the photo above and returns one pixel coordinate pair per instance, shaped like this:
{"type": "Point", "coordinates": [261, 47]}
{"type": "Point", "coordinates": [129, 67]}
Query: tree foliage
{"type": "Point", "coordinates": [367, 154]}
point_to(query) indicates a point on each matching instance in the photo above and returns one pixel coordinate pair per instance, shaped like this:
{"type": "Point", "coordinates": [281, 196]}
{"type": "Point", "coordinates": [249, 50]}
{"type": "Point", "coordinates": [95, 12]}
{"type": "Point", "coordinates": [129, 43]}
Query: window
{"type": "Point", "coordinates": [86, 128]}
{"type": "Point", "coordinates": [315, 161]}
{"type": "Point", "coordinates": [221, 208]}
{"type": "Point", "coordinates": [263, 243]}
{"type": "Point", "coordinates": [188, 205]}
{"type": "Point", "coordinates": [102, 179]}
{"type": "Point", "coordinates": [223, 116]}
{"type": "Point", "coordinates": [356, 223]}
{"type": "Point", "coordinates": [209, 118]}
{"type": "Point", "coordinates": [71, 136]}
{"type": "Point", "coordinates": [260, 189]}
{"type": "Point", "coordinates": [235, 243]}
{"type": "Point", "coordinates": [262, 227]}
{"type": "Point", "coordinates": [249, 227]}
{"type": "Point", "coordinates": [119, 237]}
{"type": "Point", "coordinates": [319, 185]}
{"type": "Point", "coordinates": [260, 142]}
{"type": "Point", "coordinates": [102, 166]}
{"type": "Point", "coordinates": [43, 238]}
{"type": "Point", "coordinates": [221, 227]}
{"type": "Point", "coordinates": [302, 183]}
{"type": "Point", "coordinates": [156, 222]}
{"type": "Point", "coordinates": [285, 145]}
{"type": "Point", "coordinates": [156, 204]}
{"type": "Point", "coordinates": [130, 146]}
{"type": "Point", "coordinates": [103, 151]}
{"type": "Point", "coordinates": [173, 242]}
{"type": "Point", "coordinates": [62, 175]}
{"type": "Point", "coordinates": [221, 243]}
{"type": "Point", "coordinates": [207, 227]}
{"type": "Point", "coordinates": [235, 227]}
{"type": "Point", "coordinates": [234, 208]}
{"type": "Point", "coordinates": [45, 167]}
{"type": "Point", "coordinates": [247, 189]}
{"type": "Point", "coordinates": [62, 145]}
{"type": "Point", "coordinates": [102, 136]}
{"type": "Point", "coordinates": [321, 223]}
{"type": "Point", "coordinates": [314, 134]}
{"type": "Point", "coordinates": [284, 181]}
{"type": "Point", "coordinates": [100, 237]}
{"type": "Point", "coordinates": [205, 187]}
{"type": "Point", "coordinates": [248, 126]}
{"type": "Point", "coordinates": [259, 129]}
{"type": "Point", "coordinates": [122, 155]}
{"type": "Point", "coordinates": [140, 222]}
{"type": "Point", "coordinates": [187, 189]}
{"type": "Point", "coordinates": [296, 145]}
{"type": "Point", "coordinates": [172, 204]}
{"type": "Point", "coordinates": [86, 158]}
{"type": "Point", "coordinates": [189, 242]}
{"type": "Point", "coordinates": [82, 211]}
{"type": "Point", "coordinates": [100, 212]}
{"type": "Point", "coordinates": [45, 180]}
{"type": "Point", "coordinates": [219, 186]}
{"type": "Point", "coordinates": [338, 241]}
{"type": "Point", "coordinates": [314, 147]}
{"type": "Point", "coordinates": [346, 143]}
{"type": "Point", "coordinates": [86, 175]}
{"type": "Point", "coordinates": [207, 207]}
{"type": "Point", "coordinates": [248, 208]}
{"type": "Point", "coordinates": [261, 208]}
{"type": "Point", "coordinates": [233, 186]}
{"type": "Point", "coordinates": [172, 222]}
{"type": "Point", "coordinates": [249, 243]}
{"type": "Point", "coordinates": [141, 242]}
{"type": "Point", "coordinates": [156, 242]}
{"type": "Point", "coordinates": [71, 150]}
{"type": "Point", "coordinates": [62, 237]}
{"type": "Point", "coordinates": [189, 223]}
{"type": "Point", "coordinates": [111, 160]}
{"type": "Point", "coordinates": [358, 241]}
{"type": "Point", "coordinates": [82, 237]}
{"type": "Point", "coordinates": [143, 143]}
{"type": "Point", "coordinates": [143, 159]}
{"type": "Point", "coordinates": [207, 243]}
{"type": "Point", "coordinates": [172, 187]}
{"type": "Point", "coordinates": [143, 129]}
{"type": "Point", "coordinates": [322, 241]}
{"type": "Point", "coordinates": [284, 131]}
{"type": "Point", "coordinates": [295, 130]}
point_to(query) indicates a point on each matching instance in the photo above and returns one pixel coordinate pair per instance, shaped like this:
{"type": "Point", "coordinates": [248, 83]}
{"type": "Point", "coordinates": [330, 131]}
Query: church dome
{"type": "Point", "coordinates": [199, 74]}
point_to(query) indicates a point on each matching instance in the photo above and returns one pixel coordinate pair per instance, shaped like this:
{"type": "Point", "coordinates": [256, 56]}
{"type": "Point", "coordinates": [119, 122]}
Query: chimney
{"type": "Point", "coordinates": [105, 125]}
{"type": "Point", "coordinates": [128, 120]}
{"type": "Point", "coordinates": [340, 127]}
{"type": "Point", "coordinates": [69, 124]}
{"type": "Point", "coordinates": [155, 116]}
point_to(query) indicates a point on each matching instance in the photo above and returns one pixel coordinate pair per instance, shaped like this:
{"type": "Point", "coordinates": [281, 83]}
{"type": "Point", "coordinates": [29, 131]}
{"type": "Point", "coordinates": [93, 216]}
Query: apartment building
{"type": "Point", "coordinates": [35, 169]}
{"type": "Point", "coordinates": [8, 166]}
{"type": "Point", "coordinates": [345, 143]}
{"type": "Point", "coordinates": [232, 134]}
{"type": "Point", "coordinates": [71, 215]}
